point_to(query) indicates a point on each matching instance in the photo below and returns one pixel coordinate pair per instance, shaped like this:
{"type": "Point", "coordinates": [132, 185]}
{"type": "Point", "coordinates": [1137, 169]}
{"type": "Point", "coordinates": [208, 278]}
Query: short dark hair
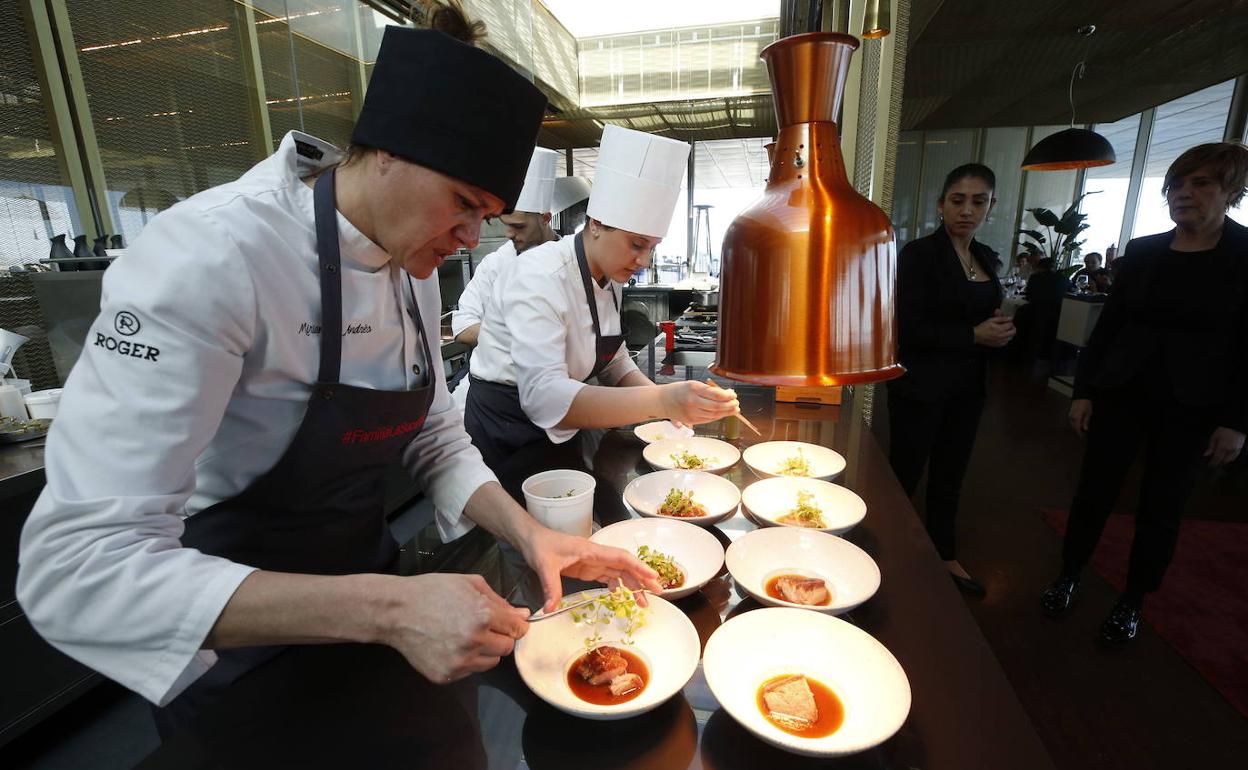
{"type": "Point", "coordinates": [1229, 161]}
{"type": "Point", "coordinates": [969, 171]}
{"type": "Point", "coordinates": [1045, 264]}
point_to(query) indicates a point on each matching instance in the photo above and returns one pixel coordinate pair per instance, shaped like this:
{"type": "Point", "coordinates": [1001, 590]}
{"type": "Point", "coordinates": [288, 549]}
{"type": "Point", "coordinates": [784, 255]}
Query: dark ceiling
{"type": "Point", "coordinates": [976, 63]}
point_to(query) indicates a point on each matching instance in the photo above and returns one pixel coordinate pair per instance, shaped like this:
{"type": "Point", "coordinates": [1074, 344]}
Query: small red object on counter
{"type": "Point", "coordinates": [669, 329]}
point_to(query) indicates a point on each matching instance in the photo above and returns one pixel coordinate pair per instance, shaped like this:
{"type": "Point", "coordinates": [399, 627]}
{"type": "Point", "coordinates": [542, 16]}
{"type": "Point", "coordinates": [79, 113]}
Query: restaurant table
{"type": "Point", "coordinates": [363, 706]}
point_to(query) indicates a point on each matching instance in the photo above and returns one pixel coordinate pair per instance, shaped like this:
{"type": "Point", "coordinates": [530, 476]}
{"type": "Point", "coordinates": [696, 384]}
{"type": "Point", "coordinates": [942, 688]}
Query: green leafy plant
{"type": "Point", "coordinates": [1060, 242]}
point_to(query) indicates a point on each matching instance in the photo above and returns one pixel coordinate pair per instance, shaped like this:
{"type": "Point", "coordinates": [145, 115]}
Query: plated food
{"type": "Point", "coordinates": [670, 573]}
{"type": "Point", "coordinates": [694, 453]}
{"type": "Point", "coordinates": [806, 682]}
{"type": "Point", "coordinates": [651, 432]}
{"type": "Point", "coordinates": [804, 503]}
{"type": "Point", "coordinates": [801, 706]}
{"type": "Point", "coordinates": [779, 566]}
{"type": "Point", "coordinates": [686, 556]}
{"type": "Point", "coordinates": [799, 589]}
{"type": "Point", "coordinates": [679, 504]}
{"type": "Point", "coordinates": [574, 661]}
{"type": "Point", "coordinates": [795, 459]}
{"type": "Point", "coordinates": [607, 675]}
{"type": "Point", "coordinates": [694, 496]}
{"type": "Point", "coordinates": [13, 430]}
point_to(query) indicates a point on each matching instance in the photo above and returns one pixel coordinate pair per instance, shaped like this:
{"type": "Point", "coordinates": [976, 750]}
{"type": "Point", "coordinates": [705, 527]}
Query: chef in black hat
{"type": "Point", "coordinates": [264, 351]}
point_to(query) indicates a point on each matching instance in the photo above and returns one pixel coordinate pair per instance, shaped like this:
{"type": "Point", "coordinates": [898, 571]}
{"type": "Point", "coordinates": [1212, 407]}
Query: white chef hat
{"type": "Point", "coordinates": [570, 190]}
{"type": "Point", "coordinates": [539, 182]}
{"type": "Point", "coordinates": [637, 181]}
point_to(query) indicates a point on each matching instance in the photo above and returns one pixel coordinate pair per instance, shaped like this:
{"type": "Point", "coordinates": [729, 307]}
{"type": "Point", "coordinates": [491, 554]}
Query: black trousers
{"type": "Point", "coordinates": [1173, 437]}
{"type": "Point", "coordinates": [940, 435]}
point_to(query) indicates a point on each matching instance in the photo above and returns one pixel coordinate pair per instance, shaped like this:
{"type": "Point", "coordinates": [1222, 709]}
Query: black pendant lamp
{"type": "Point", "coordinates": [1074, 147]}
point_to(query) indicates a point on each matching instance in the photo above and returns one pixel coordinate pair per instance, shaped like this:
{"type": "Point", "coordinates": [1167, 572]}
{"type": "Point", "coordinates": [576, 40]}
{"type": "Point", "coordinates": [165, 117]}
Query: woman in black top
{"type": "Point", "coordinates": [948, 315]}
{"type": "Point", "coordinates": [1166, 370]}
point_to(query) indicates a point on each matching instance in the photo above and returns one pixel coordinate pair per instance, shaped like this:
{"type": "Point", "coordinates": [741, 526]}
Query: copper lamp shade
{"type": "Point", "coordinates": [807, 282]}
{"type": "Point", "coordinates": [1072, 148]}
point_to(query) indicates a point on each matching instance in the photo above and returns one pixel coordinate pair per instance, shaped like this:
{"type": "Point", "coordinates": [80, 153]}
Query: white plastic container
{"type": "Point", "coordinates": [42, 404]}
{"type": "Point", "coordinates": [562, 500]}
{"type": "Point", "coordinates": [11, 403]}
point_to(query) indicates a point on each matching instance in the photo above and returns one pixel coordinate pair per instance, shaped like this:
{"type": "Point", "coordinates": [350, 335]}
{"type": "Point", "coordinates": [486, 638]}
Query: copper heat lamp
{"type": "Point", "coordinates": [807, 284]}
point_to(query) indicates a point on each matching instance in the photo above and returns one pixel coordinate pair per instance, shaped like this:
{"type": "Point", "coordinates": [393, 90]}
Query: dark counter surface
{"type": "Point", "coordinates": [364, 706]}
{"type": "Point", "coordinates": [21, 467]}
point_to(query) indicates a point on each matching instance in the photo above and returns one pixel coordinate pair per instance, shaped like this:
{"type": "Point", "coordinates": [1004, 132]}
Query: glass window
{"type": "Point", "coordinates": [1179, 125]}
{"type": "Point", "coordinates": [36, 202]}
{"type": "Point", "coordinates": [1107, 186]}
{"type": "Point", "coordinates": [943, 151]}
{"type": "Point", "coordinates": [1004, 149]}
{"type": "Point", "coordinates": [906, 184]}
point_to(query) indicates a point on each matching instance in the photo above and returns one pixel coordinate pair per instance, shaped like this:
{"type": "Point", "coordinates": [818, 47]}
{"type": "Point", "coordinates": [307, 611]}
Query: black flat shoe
{"type": "Point", "coordinates": [1058, 598]}
{"type": "Point", "coordinates": [1121, 626]}
{"type": "Point", "coordinates": [969, 586]}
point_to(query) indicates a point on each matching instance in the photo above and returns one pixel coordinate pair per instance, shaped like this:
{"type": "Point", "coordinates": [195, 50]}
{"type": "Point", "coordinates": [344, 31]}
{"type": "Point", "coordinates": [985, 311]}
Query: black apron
{"type": "Point", "coordinates": [320, 509]}
{"type": "Point", "coordinates": [509, 442]}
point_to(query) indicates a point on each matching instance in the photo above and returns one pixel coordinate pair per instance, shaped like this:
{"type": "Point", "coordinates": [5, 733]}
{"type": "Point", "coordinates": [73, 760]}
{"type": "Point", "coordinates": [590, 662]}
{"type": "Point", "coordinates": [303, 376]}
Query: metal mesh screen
{"type": "Point", "coordinates": [168, 97]}
{"type": "Point", "coordinates": [869, 96]}
{"type": "Point", "coordinates": [36, 203]}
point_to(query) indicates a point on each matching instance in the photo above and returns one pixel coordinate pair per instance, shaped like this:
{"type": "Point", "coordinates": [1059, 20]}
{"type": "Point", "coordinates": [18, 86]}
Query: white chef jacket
{"type": "Point", "coordinates": [192, 383]}
{"type": "Point", "coordinates": [471, 305]}
{"type": "Point", "coordinates": [538, 335]}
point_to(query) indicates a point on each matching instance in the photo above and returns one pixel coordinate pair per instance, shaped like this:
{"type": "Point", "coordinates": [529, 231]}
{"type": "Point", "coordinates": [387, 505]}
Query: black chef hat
{"type": "Point", "coordinates": [453, 108]}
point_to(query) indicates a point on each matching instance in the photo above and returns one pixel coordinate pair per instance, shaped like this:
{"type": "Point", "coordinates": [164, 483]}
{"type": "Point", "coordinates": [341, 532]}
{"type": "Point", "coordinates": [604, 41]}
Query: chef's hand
{"type": "Point", "coordinates": [552, 554]}
{"type": "Point", "coordinates": [450, 626]}
{"type": "Point", "coordinates": [995, 332]}
{"type": "Point", "coordinates": [1224, 446]}
{"type": "Point", "coordinates": [1081, 415]}
{"type": "Point", "coordinates": [694, 403]}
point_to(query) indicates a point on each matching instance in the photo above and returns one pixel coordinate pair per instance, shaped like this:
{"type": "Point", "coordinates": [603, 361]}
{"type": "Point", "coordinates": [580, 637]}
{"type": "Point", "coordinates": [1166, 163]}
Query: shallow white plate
{"type": "Point", "coordinates": [667, 643]}
{"type": "Point", "coordinates": [770, 499]}
{"type": "Point", "coordinates": [758, 556]}
{"type": "Point", "coordinates": [720, 496]}
{"type": "Point", "coordinates": [756, 646]}
{"type": "Point", "coordinates": [697, 552]}
{"type": "Point", "coordinates": [766, 458]}
{"type": "Point", "coordinates": [719, 455]}
{"type": "Point", "coordinates": [651, 432]}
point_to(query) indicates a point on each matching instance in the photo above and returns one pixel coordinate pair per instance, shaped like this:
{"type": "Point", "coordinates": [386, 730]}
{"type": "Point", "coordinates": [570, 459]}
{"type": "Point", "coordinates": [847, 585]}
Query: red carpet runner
{"type": "Point", "coordinates": [1202, 607]}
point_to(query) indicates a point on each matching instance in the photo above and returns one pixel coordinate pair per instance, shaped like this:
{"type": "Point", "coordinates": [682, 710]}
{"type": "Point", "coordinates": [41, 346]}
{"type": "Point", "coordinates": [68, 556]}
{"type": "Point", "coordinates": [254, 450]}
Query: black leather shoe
{"type": "Point", "coordinates": [969, 586]}
{"type": "Point", "coordinates": [1121, 626]}
{"type": "Point", "coordinates": [1058, 598]}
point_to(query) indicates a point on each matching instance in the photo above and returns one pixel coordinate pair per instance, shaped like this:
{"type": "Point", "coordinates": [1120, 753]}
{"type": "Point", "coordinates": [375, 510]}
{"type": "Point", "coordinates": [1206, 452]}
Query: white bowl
{"type": "Point", "coordinates": [770, 499]}
{"type": "Point", "coordinates": [562, 499]}
{"type": "Point", "coordinates": [697, 552]}
{"type": "Point", "coordinates": [667, 643]}
{"type": "Point", "coordinates": [756, 646]}
{"type": "Point", "coordinates": [660, 454]}
{"type": "Point", "coordinates": [651, 432]}
{"type": "Point", "coordinates": [758, 556]}
{"type": "Point", "coordinates": [766, 458]}
{"type": "Point", "coordinates": [720, 496]}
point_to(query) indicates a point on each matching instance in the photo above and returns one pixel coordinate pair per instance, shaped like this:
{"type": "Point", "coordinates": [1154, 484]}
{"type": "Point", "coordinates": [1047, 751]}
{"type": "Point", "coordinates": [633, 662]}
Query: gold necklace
{"type": "Point", "coordinates": [968, 265]}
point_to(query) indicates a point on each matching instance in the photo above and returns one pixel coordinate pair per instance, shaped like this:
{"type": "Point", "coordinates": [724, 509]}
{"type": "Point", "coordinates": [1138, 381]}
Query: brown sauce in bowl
{"type": "Point", "coordinates": [600, 694]}
{"type": "Point", "coordinates": [831, 710]}
{"type": "Point", "coordinates": [773, 590]}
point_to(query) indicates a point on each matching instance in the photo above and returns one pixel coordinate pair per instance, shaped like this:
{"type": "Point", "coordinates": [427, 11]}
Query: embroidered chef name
{"type": "Point", "coordinates": [126, 347]}
{"type": "Point", "coordinates": [308, 329]}
{"type": "Point", "coordinates": [362, 436]}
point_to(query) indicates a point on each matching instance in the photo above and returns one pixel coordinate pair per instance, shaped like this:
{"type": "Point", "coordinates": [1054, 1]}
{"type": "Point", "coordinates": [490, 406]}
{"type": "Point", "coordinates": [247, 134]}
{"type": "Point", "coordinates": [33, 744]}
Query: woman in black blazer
{"type": "Point", "coordinates": [1166, 370]}
{"type": "Point", "coordinates": [948, 316]}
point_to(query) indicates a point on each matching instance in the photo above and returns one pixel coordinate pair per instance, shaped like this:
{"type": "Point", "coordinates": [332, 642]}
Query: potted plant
{"type": "Point", "coordinates": [1060, 244]}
